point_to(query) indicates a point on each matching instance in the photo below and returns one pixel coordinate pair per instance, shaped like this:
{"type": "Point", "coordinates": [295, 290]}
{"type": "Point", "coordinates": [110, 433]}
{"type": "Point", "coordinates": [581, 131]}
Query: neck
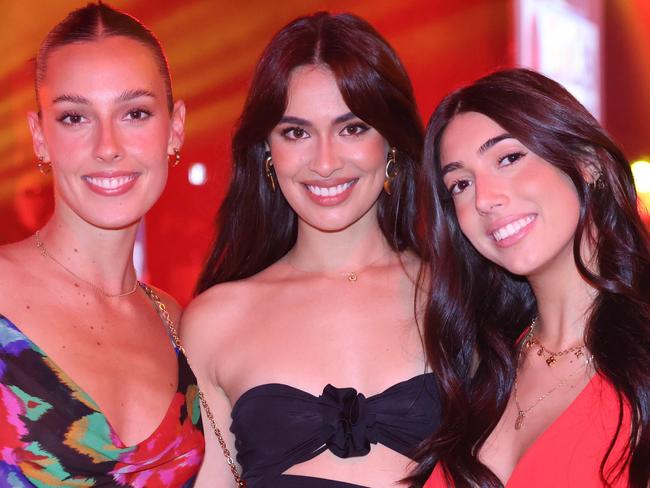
{"type": "Point", "coordinates": [103, 257]}
{"type": "Point", "coordinates": [351, 249]}
{"type": "Point", "coordinates": [563, 305]}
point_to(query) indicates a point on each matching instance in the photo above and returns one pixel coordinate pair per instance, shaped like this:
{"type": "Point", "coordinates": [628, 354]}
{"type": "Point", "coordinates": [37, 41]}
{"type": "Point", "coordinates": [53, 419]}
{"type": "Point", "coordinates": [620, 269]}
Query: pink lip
{"type": "Point", "coordinates": [330, 201]}
{"type": "Point", "coordinates": [97, 182]}
{"type": "Point", "coordinates": [518, 235]}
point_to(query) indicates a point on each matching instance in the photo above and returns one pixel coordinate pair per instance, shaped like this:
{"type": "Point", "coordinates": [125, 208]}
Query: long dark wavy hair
{"type": "Point", "coordinates": [256, 226]}
{"type": "Point", "coordinates": [477, 309]}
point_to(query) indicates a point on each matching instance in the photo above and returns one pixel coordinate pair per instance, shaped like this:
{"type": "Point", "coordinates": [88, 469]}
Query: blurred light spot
{"type": "Point", "coordinates": [641, 172]}
{"type": "Point", "coordinates": [197, 174]}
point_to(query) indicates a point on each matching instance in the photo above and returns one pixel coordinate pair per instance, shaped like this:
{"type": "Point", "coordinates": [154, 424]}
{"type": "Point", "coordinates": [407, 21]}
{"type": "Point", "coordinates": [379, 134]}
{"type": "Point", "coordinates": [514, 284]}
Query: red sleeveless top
{"type": "Point", "coordinates": [569, 452]}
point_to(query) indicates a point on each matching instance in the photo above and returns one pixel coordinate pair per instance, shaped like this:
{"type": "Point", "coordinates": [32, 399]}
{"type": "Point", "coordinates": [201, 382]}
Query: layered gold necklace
{"type": "Point", "coordinates": [529, 342]}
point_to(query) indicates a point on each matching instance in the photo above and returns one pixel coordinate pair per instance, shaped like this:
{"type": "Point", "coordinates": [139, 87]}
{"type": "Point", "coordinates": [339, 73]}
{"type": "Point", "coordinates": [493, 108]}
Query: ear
{"type": "Point", "coordinates": [38, 139]}
{"type": "Point", "coordinates": [177, 132]}
{"type": "Point", "coordinates": [591, 171]}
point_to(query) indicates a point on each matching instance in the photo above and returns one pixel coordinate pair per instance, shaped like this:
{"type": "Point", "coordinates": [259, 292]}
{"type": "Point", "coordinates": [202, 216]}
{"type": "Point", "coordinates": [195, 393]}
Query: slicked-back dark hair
{"type": "Point", "coordinates": [94, 22]}
{"type": "Point", "coordinates": [477, 307]}
{"type": "Point", "coordinates": [257, 226]}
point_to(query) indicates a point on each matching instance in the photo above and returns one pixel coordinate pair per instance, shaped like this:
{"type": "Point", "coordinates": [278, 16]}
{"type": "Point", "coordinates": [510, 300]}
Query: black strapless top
{"type": "Point", "coordinates": [277, 426]}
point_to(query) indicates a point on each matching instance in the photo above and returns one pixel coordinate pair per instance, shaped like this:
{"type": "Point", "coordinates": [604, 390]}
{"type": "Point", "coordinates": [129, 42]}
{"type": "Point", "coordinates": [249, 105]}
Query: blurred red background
{"type": "Point", "coordinates": [212, 47]}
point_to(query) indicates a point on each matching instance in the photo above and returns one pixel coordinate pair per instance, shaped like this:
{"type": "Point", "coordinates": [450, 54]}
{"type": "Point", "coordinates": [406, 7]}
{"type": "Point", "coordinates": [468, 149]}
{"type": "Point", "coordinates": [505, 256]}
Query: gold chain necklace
{"type": "Point", "coordinates": [521, 413]}
{"type": "Point", "coordinates": [41, 247]}
{"type": "Point", "coordinates": [352, 276]}
{"type": "Point", "coordinates": [551, 361]}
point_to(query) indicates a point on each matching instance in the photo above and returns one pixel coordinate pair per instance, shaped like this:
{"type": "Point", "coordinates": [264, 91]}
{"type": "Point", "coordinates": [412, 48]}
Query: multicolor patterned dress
{"type": "Point", "coordinates": [53, 434]}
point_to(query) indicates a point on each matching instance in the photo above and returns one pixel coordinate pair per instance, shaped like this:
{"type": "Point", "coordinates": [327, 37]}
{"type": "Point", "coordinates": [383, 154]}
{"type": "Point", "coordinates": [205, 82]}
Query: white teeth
{"type": "Point", "coordinates": [111, 182]}
{"type": "Point", "coordinates": [512, 228]}
{"type": "Point", "coordinates": [331, 191]}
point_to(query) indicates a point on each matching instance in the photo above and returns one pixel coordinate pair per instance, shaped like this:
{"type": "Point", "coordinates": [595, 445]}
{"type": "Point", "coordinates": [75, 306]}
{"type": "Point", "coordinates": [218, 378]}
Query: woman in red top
{"type": "Point", "coordinates": [538, 322]}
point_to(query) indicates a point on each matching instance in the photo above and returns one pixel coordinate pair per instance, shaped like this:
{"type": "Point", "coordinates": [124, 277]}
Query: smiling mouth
{"type": "Point", "coordinates": [512, 228]}
{"type": "Point", "coordinates": [110, 182]}
{"type": "Point", "coordinates": [330, 191]}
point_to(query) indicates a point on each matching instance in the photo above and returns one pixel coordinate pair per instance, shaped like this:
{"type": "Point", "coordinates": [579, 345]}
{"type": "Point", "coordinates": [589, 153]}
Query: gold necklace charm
{"type": "Point", "coordinates": [41, 247]}
{"type": "Point", "coordinates": [352, 276]}
{"type": "Point", "coordinates": [530, 341]}
{"type": "Point", "coordinates": [551, 360]}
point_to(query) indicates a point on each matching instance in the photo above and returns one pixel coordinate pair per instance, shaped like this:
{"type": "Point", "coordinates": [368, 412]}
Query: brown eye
{"type": "Point", "coordinates": [71, 118]}
{"type": "Point", "coordinates": [354, 129]}
{"type": "Point", "coordinates": [459, 186]}
{"type": "Point", "coordinates": [295, 133]}
{"type": "Point", "coordinates": [138, 114]}
{"type": "Point", "coordinates": [511, 158]}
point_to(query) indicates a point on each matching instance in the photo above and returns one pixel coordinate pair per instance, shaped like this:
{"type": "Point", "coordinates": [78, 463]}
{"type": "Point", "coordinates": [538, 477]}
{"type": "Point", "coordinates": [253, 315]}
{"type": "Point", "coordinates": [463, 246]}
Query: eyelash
{"type": "Point", "coordinates": [358, 126]}
{"type": "Point", "coordinates": [454, 185]}
{"type": "Point", "coordinates": [296, 133]}
{"type": "Point", "coordinates": [147, 114]}
{"type": "Point", "coordinates": [68, 115]}
{"type": "Point", "coordinates": [290, 133]}
{"type": "Point", "coordinates": [517, 156]}
{"type": "Point", "coordinates": [509, 159]}
{"type": "Point", "coordinates": [143, 114]}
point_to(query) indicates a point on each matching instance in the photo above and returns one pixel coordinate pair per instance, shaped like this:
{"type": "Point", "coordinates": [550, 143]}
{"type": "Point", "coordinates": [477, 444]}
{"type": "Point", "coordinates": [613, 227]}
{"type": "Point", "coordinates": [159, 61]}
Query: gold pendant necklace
{"type": "Point", "coordinates": [352, 276]}
{"type": "Point", "coordinates": [522, 412]}
{"type": "Point", "coordinates": [578, 351]}
{"type": "Point", "coordinates": [41, 247]}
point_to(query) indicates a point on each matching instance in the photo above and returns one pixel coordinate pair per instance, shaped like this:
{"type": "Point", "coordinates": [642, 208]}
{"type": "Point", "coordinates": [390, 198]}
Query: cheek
{"type": "Point", "coordinates": [370, 156]}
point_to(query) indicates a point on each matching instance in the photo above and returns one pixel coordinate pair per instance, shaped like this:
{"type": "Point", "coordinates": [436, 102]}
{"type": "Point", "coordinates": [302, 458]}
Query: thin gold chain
{"type": "Point", "coordinates": [164, 313]}
{"type": "Point", "coordinates": [41, 247]}
{"type": "Point", "coordinates": [521, 413]}
{"type": "Point", "coordinates": [352, 276]}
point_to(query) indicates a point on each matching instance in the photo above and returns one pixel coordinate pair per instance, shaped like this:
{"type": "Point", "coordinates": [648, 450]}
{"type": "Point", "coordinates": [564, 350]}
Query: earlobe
{"type": "Point", "coordinates": [38, 139]}
{"type": "Point", "coordinates": [177, 132]}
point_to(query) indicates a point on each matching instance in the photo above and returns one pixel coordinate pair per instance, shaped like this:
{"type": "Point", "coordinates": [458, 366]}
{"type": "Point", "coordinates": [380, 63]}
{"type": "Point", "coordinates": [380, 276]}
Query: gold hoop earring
{"type": "Point", "coordinates": [268, 171]}
{"type": "Point", "coordinates": [42, 166]}
{"type": "Point", "coordinates": [391, 169]}
{"type": "Point", "coordinates": [177, 158]}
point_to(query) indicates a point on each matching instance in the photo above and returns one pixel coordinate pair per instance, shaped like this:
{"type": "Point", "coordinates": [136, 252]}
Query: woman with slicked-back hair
{"type": "Point", "coordinates": [94, 388]}
{"type": "Point", "coordinates": [304, 338]}
{"type": "Point", "coordinates": [538, 322]}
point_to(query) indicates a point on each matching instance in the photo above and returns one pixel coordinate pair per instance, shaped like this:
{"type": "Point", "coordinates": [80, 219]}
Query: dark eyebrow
{"type": "Point", "coordinates": [131, 94]}
{"type": "Point", "coordinates": [491, 142]}
{"type": "Point", "coordinates": [344, 118]}
{"type": "Point", "coordinates": [124, 97]}
{"type": "Point", "coordinates": [448, 168]}
{"type": "Point", "coordinates": [71, 99]}
{"type": "Point", "coordinates": [288, 119]}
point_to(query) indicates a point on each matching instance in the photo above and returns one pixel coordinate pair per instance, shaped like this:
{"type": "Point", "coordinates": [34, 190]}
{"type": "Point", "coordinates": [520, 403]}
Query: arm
{"type": "Point", "coordinates": [200, 336]}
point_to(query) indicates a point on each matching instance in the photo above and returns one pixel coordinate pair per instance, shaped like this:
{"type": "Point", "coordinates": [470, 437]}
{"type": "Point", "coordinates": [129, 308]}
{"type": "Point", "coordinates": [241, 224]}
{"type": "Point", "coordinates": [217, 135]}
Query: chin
{"type": "Point", "coordinates": [113, 221]}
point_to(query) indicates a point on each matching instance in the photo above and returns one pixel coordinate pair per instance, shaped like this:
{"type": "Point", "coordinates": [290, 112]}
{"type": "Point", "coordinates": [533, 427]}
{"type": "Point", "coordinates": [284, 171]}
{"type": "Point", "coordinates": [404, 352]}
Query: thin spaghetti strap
{"type": "Point", "coordinates": [173, 333]}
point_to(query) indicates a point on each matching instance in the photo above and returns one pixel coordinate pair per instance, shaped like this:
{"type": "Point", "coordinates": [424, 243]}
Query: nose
{"type": "Point", "coordinates": [489, 193]}
{"type": "Point", "coordinates": [326, 160]}
{"type": "Point", "coordinates": [107, 146]}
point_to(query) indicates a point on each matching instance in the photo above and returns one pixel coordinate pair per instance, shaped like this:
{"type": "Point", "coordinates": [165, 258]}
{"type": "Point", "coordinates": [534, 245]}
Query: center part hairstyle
{"type": "Point", "coordinates": [94, 22]}
{"type": "Point", "coordinates": [477, 309]}
{"type": "Point", "coordinates": [256, 226]}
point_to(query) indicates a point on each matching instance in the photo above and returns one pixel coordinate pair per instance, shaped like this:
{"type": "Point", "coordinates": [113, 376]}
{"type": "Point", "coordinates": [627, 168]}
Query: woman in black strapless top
{"type": "Point", "coordinates": [304, 338]}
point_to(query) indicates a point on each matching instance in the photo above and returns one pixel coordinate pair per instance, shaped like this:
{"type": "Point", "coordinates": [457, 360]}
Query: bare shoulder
{"type": "Point", "coordinates": [17, 268]}
{"type": "Point", "coordinates": [215, 317]}
{"type": "Point", "coordinates": [173, 307]}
